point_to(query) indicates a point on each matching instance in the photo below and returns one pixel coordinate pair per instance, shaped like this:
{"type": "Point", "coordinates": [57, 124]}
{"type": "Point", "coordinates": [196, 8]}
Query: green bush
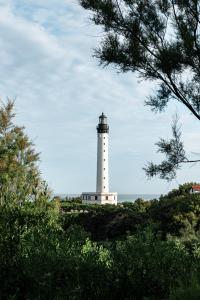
{"type": "Point", "coordinates": [142, 250]}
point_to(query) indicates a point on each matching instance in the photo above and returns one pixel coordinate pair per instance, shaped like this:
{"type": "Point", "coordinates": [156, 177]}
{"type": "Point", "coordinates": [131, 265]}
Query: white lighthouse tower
{"type": "Point", "coordinates": [102, 194]}
{"type": "Point", "coordinates": [102, 155]}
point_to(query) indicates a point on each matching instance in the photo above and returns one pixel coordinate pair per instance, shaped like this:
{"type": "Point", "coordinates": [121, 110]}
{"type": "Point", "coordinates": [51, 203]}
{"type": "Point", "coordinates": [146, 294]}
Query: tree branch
{"type": "Point", "coordinates": [128, 29]}
{"type": "Point", "coordinates": [179, 96]}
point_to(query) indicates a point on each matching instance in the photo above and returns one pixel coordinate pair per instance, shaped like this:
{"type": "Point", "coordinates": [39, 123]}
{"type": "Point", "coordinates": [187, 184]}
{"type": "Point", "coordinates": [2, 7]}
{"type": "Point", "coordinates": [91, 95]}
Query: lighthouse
{"type": "Point", "coordinates": [102, 155]}
{"type": "Point", "coordinates": [102, 194]}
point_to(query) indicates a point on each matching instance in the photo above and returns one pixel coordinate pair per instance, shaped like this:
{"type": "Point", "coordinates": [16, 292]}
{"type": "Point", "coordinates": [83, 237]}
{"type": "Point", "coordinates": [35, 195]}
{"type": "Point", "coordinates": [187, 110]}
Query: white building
{"type": "Point", "coordinates": [102, 194]}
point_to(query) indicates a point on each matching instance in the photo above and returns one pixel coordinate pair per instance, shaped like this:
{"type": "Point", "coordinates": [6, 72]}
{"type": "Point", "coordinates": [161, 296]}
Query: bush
{"type": "Point", "coordinates": [76, 251]}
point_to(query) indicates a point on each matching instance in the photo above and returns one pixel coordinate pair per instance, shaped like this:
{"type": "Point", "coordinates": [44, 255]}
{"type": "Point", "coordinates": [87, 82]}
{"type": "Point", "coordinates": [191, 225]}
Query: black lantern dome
{"type": "Point", "coordinates": [102, 126]}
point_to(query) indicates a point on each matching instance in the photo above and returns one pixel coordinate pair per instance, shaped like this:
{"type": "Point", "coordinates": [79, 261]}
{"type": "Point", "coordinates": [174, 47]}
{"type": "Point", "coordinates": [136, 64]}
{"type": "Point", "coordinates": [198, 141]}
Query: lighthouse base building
{"type": "Point", "coordinates": [99, 198]}
{"type": "Point", "coordinates": [102, 194]}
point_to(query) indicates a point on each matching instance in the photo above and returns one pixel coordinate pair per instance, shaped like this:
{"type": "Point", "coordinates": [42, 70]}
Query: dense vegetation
{"type": "Point", "coordinates": [67, 250]}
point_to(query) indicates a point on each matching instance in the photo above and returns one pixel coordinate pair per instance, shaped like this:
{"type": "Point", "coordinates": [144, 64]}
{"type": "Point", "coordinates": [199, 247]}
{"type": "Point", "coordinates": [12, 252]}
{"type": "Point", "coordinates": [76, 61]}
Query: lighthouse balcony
{"type": "Point", "coordinates": [99, 198]}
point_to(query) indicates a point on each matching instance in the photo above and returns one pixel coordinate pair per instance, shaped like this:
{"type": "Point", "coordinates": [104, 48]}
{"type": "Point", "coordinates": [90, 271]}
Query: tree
{"type": "Point", "coordinates": [160, 41]}
{"type": "Point", "coordinates": [19, 174]}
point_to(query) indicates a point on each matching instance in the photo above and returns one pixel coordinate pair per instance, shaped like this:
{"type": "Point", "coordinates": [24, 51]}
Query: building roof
{"type": "Point", "coordinates": [196, 187]}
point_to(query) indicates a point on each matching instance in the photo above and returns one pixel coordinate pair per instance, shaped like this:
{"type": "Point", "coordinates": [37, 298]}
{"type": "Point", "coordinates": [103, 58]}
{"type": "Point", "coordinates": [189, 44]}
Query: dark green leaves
{"type": "Point", "coordinates": [159, 101]}
{"type": "Point", "coordinates": [170, 59]}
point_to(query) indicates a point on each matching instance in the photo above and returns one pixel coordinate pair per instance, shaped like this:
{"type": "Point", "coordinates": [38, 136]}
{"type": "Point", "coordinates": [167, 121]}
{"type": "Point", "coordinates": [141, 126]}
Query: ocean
{"type": "Point", "coordinates": [121, 197]}
{"type": "Point", "coordinates": [133, 197]}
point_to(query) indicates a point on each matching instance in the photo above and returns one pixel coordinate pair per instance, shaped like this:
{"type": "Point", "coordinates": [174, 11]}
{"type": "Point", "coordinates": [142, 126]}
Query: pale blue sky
{"type": "Point", "coordinates": [47, 66]}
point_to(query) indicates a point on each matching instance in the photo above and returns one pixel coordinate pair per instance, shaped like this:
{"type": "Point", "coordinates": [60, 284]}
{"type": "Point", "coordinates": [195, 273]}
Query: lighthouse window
{"type": "Point", "coordinates": [104, 150]}
{"type": "Point", "coordinates": [104, 169]}
{"type": "Point", "coordinates": [104, 159]}
{"type": "Point", "coordinates": [106, 197]}
{"type": "Point", "coordinates": [104, 144]}
{"type": "Point", "coordinates": [104, 178]}
{"type": "Point", "coordinates": [95, 197]}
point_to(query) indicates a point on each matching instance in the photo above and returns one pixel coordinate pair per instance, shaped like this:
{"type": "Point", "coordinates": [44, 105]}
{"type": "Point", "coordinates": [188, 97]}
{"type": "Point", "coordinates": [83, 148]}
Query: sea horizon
{"type": "Point", "coordinates": [121, 197]}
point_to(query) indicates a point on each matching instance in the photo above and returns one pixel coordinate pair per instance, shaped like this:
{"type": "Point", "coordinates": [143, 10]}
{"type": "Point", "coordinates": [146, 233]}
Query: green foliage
{"type": "Point", "coordinates": [19, 174]}
{"type": "Point", "coordinates": [104, 221]}
{"type": "Point", "coordinates": [141, 250]}
{"type": "Point", "coordinates": [139, 205]}
{"type": "Point", "coordinates": [40, 260]}
{"type": "Point", "coordinates": [175, 214]}
{"type": "Point", "coordinates": [24, 231]}
{"type": "Point", "coordinates": [144, 261]}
